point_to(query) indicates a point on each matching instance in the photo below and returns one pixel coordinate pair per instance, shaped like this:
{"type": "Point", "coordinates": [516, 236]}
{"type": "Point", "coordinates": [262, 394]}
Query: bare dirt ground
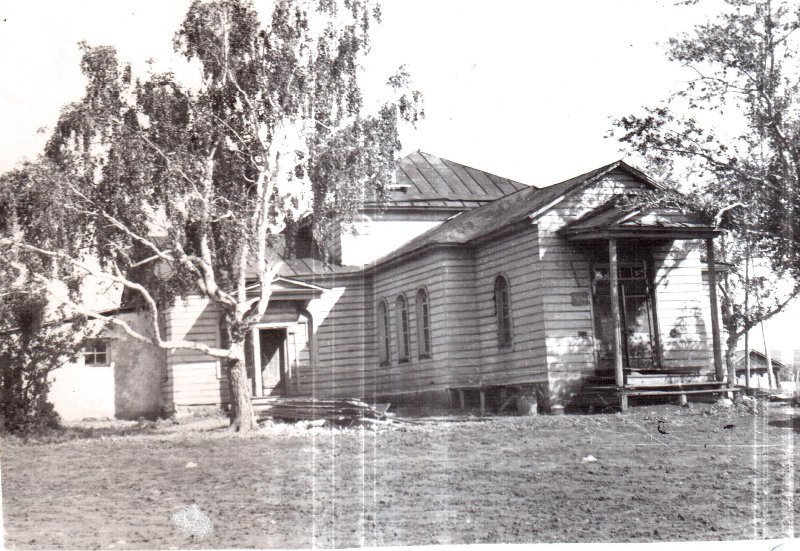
{"type": "Point", "coordinates": [507, 479]}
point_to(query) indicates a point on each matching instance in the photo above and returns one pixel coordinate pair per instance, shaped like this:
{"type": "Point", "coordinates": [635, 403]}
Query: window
{"type": "Point", "coordinates": [383, 332]}
{"type": "Point", "coordinates": [96, 353]}
{"type": "Point", "coordinates": [423, 324]}
{"type": "Point", "coordinates": [502, 309]}
{"type": "Point", "coordinates": [402, 329]}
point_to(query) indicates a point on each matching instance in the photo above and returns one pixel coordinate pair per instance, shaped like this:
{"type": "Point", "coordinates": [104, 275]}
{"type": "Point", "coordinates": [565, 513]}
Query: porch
{"type": "Point", "coordinates": [631, 357]}
{"type": "Point", "coordinates": [279, 350]}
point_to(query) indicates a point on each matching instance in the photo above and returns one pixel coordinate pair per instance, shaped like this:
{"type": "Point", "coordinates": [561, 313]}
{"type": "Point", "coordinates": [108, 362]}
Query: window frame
{"type": "Point", "coordinates": [423, 311]}
{"type": "Point", "coordinates": [91, 354]}
{"type": "Point", "coordinates": [403, 334]}
{"type": "Point", "coordinates": [502, 311]}
{"type": "Point", "coordinates": [384, 335]}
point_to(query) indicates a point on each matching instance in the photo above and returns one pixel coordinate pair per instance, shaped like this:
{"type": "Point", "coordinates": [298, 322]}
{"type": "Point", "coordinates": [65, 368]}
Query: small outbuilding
{"type": "Point", "coordinates": [759, 377]}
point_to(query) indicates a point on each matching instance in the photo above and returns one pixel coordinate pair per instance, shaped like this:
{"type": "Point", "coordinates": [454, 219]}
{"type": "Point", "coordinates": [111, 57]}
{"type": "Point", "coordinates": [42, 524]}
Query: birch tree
{"type": "Point", "coordinates": [30, 347]}
{"type": "Point", "coordinates": [734, 126]}
{"type": "Point", "coordinates": [179, 191]}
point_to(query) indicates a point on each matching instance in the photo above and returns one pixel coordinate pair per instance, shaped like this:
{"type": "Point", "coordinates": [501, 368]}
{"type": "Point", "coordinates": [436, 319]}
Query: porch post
{"type": "Point", "coordinates": [712, 292]}
{"type": "Point", "coordinates": [613, 274]}
{"type": "Point", "coordinates": [258, 382]}
{"type": "Point", "coordinates": [312, 354]}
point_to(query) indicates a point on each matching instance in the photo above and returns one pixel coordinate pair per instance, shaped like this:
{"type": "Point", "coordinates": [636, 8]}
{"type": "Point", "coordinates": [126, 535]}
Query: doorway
{"type": "Point", "coordinates": [272, 345]}
{"type": "Point", "coordinates": [638, 320]}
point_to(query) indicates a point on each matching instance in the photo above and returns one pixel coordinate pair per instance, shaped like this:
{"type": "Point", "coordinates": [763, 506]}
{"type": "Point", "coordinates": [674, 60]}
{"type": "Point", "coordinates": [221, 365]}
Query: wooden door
{"type": "Point", "coordinates": [637, 312]}
{"type": "Point", "coordinates": [273, 361]}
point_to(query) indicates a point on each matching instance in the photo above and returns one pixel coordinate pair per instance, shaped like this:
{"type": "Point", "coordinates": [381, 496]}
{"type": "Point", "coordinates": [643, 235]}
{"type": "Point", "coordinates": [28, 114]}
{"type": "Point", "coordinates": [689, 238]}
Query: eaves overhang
{"type": "Point", "coordinates": [641, 233]}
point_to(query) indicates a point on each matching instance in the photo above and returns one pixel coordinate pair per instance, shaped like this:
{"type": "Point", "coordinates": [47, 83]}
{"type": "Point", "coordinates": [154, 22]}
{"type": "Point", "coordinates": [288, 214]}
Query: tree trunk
{"type": "Point", "coordinates": [747, 358]}
{"type": "Point", "coordinates": [770, 372]}
{"type": "Point", "coordinates": [729, 323]}
{"type": "Point", "coordinates": [242, 416]}
{"type": "Point", "coordinates": [747, 313]}
{"type": "Point", "coordinates": [730, 358]}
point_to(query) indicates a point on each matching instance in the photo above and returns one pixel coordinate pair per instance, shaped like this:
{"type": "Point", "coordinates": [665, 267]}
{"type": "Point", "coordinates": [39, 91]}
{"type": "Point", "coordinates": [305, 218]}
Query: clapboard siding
{"type": "Point", "coordinates": [683, 306]}
{"type": "Point", "coordinates": [513, 254]}
{"type": "Point", "coordinates": [448, 277]}
{"type": "Point", "coordinates": [681, 301]}
{"type": "Point", "coordinates": [564, 270]}
{"type": "Point", "coordinates": [707, 317]}
{"type": "Point", "coordinates": [552, 324]}
{"type": "Point", "coordinates": [194, 378]}
{"type": "Point", "coordinates": [343, 333]}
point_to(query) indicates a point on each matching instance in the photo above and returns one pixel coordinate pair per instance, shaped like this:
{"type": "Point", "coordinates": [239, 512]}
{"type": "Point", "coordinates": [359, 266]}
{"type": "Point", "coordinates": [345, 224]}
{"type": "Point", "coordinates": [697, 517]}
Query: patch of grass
{"type": "Point", "coordinates": [715, 476]}
{"type": "Point", "coordinates": [62, 434]}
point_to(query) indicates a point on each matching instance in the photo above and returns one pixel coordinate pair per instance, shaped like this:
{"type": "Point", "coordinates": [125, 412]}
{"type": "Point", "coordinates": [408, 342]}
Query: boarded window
{"type": "Point", "coordinates": [423, 324]}
{"type": "Point", "coordinates": [383, 332]}
{"type": "Point", "coordinates": [96, 353]}
{"type": "Point", "coordinates": [402, 329]}
{"type": "Point", "coordinates": [502, 308]}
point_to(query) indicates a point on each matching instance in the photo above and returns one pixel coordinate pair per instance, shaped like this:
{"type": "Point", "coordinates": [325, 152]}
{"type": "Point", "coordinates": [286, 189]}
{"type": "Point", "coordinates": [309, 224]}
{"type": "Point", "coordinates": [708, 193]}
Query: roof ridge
{"type": "Point", "coordinates": [423, 155]}
{"type": "Point", "coordinates": [472, 167]}
{"type": "Point", "coordinates": [501, 212]}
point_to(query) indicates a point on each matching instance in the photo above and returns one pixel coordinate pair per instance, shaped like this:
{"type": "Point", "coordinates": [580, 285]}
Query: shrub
{"type": "Point", "coordinates": [29, 350]}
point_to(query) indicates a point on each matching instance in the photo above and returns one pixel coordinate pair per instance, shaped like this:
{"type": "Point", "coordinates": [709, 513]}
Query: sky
{"type": "Point", "coordinates": [525, 89]}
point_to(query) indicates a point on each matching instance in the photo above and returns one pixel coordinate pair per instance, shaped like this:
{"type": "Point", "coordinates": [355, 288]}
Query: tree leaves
{"type": "Point", "coordinates": [178, 191]}
{"type": "Point", "coordinates": [735, 130]}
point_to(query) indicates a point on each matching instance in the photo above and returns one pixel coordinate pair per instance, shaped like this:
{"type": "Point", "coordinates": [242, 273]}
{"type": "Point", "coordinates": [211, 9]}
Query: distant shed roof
{"type": "Point", "coordinates": [424, 180]}
{"type": "Point", "coordinates": [758, 361]}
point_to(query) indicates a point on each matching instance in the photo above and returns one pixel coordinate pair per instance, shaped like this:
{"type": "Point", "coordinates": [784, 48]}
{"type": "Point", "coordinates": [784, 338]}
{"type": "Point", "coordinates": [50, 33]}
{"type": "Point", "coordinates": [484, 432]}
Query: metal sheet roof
{"type": "Point", "coordinates": [294, 267]}
{"type": "Point", "coordinates": [424, 180]}
{"type": "Point", "coordinates": [497, 214]}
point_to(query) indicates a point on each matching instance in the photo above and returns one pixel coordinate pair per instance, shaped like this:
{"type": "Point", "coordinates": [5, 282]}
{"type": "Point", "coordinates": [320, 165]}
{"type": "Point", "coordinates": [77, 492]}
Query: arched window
{"type": "Point", "coordinates": [502, 309]}
{"type": "Point", "coordinates": [383, 332]}
{"type": "Point", "coordinates": [423, 324]}
{"type": "Point", "coordinates": [402, 329]}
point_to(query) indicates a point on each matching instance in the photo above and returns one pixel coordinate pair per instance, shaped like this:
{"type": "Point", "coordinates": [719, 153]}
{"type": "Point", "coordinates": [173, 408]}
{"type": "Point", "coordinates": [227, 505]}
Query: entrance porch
{"type": "Point", "coordinates": [279, 351]}
{"type": "Point", "coordinates": [650, 335]}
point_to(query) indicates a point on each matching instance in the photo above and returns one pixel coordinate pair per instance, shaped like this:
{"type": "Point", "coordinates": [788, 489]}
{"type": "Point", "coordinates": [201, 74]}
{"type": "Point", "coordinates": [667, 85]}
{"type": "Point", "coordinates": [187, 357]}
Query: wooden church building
{"type": "Point", "coordinates": [467, 290]}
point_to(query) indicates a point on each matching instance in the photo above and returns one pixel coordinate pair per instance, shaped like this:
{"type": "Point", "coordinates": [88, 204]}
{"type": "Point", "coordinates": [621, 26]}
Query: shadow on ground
{"type": "Point", "coordinates": [792, 422]}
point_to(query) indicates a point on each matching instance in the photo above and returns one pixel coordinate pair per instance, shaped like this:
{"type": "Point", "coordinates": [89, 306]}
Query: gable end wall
{"type": "Point", "coordinates": [565, 272]}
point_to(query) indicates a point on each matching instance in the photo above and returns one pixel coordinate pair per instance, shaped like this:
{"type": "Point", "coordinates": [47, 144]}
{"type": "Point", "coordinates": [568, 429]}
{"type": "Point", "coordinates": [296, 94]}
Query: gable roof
{"type": "Point", "coordinates": [284, 288]}
{"type": "Point", "coordinates": [611, 220]}
{"type": "Point", "coordinates": [424, 180]}
{"type": "Point", "coordinates": [505, 211]}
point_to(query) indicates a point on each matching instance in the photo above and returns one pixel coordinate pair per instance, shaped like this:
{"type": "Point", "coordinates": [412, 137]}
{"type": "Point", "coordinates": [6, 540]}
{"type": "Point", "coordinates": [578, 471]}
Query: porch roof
{"type": "Point", "coordinates": [612, 221]}
{"type": "Point", "coordinates": [289, 289]}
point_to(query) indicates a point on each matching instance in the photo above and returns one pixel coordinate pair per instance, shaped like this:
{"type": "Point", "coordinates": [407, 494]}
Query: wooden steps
{"type": "Point", "coordinates": [600, 391]}
{"type": "Point", "coordinates": [679, 392]}
{"type": "Point", "coordinates": [681, 385]}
